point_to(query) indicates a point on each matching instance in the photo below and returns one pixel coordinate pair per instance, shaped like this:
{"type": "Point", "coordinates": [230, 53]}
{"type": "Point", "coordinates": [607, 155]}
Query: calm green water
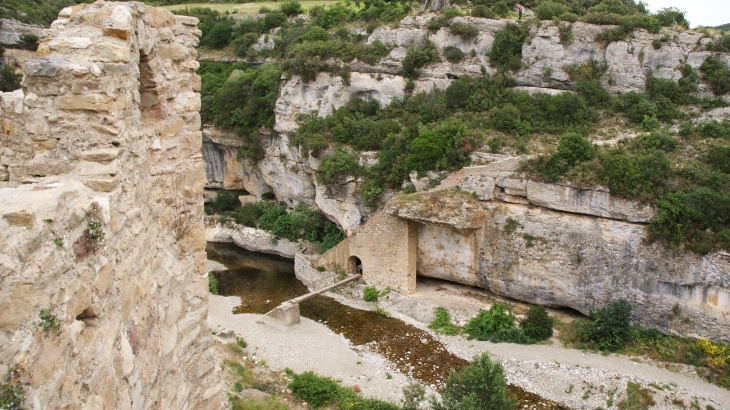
{"type": "Point", "coordinates": [264, 281]}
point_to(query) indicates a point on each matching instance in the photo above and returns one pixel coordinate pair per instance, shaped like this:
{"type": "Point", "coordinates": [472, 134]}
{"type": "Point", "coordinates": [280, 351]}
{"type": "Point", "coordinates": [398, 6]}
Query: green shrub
{"type": "Point", "coordinates": [291, 8]}
{"type": "Point", "coordinates": [9, 80]}
{"type": "Point", "coordinates": [569, 17]}
{"type": "Point", "coordinates": [511, 335]}
{"type": "Point", "coordinates": [419, 56]}
{"type": "Point", "coordinates": [315, 390]}
{"type": "Point", "coordinates": [672, 220]}
{"type": "Point", "coordinates": [573, 149]}
{"type": "Point", "coordinates": [481, 385]}
{"type": "Point", "coordinates": [453, 54]}
{"type": "Point", "coordinates": [212, 284]}
{"type": "Point", "coordinates": [537, 324]}
{"type": "Point", "coordinates": [464, 30]}
{"type": "Point", "coordinates": [546, 10]}
{"type": "Point", "coordinates": [488, 322]}
{"type": "Point", "coordinates": [719, 158]}
{"type": "Point", "coordinates": [591, 70]}
{"type": "Point", "coordinates": [224, 201]}
{"type": "Point", "coordinates": [621, 174]}
{"type": "Point", "coordinates": [483, 11]}
{"type": "Point", "coordinates": [595, 95]}
{"type": "Point", "coordinates": [29, 38]}
{"type": "Point", "coordinates": [442, 324]}
{"type": "Point", "coordinates": [501, 8]}
{"type": "Point", "coordinates": [506, 52]}
{"type": "Point", "coordinates": [247, 214]}
{"type": "Point", "coordinates": [337, 166]}
{"type": "Point", "coordinates": [716, 73]}
{"type": "Point", "coordinates": [566, 34]}
{"type": "Point", "coordinates": [370, 294]}
{"type": "Point", "coordinates": [609, 327]}
{"type": "Point", "coordinates": [319, 391]}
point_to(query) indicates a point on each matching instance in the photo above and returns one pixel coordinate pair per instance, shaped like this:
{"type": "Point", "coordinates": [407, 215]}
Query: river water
{"type": "Point", "coordinates": [264, 281]}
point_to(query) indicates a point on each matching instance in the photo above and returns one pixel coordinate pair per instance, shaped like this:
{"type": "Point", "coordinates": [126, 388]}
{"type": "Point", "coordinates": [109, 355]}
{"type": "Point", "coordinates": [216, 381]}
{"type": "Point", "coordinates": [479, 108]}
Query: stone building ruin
{"type": "Point", "coordinates": [107, 128]}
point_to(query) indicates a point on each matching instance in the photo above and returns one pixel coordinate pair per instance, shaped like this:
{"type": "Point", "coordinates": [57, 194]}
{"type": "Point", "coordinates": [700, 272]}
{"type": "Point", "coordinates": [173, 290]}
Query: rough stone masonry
{"type": "Point", "coordinates": [106, 128]}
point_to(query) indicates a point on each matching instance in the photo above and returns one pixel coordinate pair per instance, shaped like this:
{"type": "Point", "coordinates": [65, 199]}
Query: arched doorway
{"type": "Point", "coordinates": [354, 265]}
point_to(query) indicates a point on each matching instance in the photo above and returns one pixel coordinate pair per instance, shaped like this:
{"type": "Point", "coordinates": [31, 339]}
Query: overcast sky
{"type": "Point", "coordinates": [699, 12]}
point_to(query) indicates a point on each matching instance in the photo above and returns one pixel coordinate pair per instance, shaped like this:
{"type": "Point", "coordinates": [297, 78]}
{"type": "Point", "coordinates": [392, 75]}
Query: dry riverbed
{"type": "Point", "coordinates": [573, 378]}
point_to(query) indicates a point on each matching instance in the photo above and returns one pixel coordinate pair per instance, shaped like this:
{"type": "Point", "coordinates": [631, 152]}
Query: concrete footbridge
{"type": "Point", "coordinates": [287, 314]}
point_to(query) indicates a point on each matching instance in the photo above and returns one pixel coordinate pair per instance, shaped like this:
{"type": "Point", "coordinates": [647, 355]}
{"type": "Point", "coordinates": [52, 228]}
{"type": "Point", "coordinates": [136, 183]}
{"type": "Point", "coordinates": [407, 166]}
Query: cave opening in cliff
{"type": "Point", "coordinates": [354, 265]}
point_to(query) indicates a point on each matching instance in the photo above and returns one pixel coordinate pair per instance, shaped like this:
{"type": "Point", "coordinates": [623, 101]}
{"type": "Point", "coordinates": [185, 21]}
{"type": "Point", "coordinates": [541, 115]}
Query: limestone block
{"type": "Point", "coordinates": [49, 356]}
{"type": "Point", "coordinates": [90, 16]}
{"type": "Point", "coordinates": [122, 33]}
{"type": "Point", "coordinates": [96, 168]}
{"type": "Point", "coordinates": [12, 102]}
{"type": "Point", "coordinates": [9, 127]}
{"type": "Point", "coordinates": [159, 18]}
{"type": "Point", "coordinates": [100, 154]}
{"type": "Point", "coordinates": [44, 67]}
{"type": "Point", "coordinates": [18, 301]}
{"type": "Point", "coordinates": [45, 144]}
{"type": "Point", "coordinates": [20, 218]}
{"type": "Point", "coordinates": [91, 102]}
{"type": "Point", "coordinates": [185, 102]}
{"type": "Point", "coordinates": [174, 51]}
{"type": "Point", "coordinates": [103, 184]}
{"type": "Point", "coordinates": [43, 167]}
{"type": "Point", "coordinates": [62, 43]}
{"type": "Point", "coordinates": [109, 52]}
{"type": "Point", "coordinates": [121, 17]}
{"type": "Point", "coordinates": [450, 208]}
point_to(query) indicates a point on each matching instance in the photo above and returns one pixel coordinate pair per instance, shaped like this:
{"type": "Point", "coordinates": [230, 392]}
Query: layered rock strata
{"type": "Point", "coordinates": [101, 232]}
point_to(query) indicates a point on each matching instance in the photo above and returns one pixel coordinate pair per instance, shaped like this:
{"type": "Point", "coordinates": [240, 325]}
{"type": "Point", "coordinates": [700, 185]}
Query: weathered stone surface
{"type": "Point", "coordinates": [44, 67]}
{"type": "Point", "coordinates": [76, 149]}
{"type": "Point", "coordinates": [91, 102]}
{"type": "Point", "coordinates": [47, 167]}
{"type": "Point", "coordinates": [587, 201]}
{"type": "Point", "coordinates": [451, 208]}
{"type": "Point", "coordinates": [100, 154]}
{"type": "Point", "coordinates": [257, 240]}
{"type": "Point", "coordinates": [159, 18]}
{"type": "Point", "coordinates": [174, 51]}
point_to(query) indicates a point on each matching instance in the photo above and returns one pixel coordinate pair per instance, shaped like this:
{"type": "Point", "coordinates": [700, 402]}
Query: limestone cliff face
{"type": "Point", "coordinates": [101, 182]}
{"type": "Point", "coordinates": [573, 247]}
{"type": "Point", "coordinates": [290, 176]}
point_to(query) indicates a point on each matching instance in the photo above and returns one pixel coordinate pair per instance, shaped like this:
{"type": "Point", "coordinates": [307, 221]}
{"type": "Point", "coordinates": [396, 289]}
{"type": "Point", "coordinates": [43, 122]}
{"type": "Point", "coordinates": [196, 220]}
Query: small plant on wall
{"type": "Point", "coordinates": [49, 322]}
{"type": "Point", "coordinates": [13, 388]}
{"type": "Point", "coordinates": [93, 236]}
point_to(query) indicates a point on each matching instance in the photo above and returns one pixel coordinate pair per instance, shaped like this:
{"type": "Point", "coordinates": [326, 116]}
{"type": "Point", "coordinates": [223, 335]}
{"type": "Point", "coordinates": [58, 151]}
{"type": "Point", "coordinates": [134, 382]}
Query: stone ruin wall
{"type": "Point", "coordinates": [108, 115]}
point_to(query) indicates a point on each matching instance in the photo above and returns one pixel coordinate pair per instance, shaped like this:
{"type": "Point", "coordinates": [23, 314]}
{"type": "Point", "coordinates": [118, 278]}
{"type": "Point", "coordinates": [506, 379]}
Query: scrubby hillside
{"type": "Point", "coordinates": [631, 101]}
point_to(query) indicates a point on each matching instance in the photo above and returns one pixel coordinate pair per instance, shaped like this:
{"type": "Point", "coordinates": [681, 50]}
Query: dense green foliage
{"type": "Point", "coordinates": [237, 98]}
{"type": "Point", "coordinates": [489, 322]}
{"type": "Point", "coordinates": [481, 385]}
{"type": "Point", "coordinates": [442, 324]}
{"type": "Point", "coordinates": [212, 284]}
{"type": "Point", "coordinates": [607, 328]}
{"type": "Point", "coordinates": [418, 56]}
{"type": "Point", "coordinates": [306, 223]}
{"type": "Point", "coordinates": [506, 52]}
{"type": "Point", "coordinates": [716, 73]}
{"type": "Point", "coordinates": [321, 391]}
{"type": "Point", "coordinates": [9, 80]}
{"type": "Point", "coordinates": [537, 325]}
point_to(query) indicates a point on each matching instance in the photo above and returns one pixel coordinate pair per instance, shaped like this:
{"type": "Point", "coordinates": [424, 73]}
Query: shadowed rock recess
{"type": "Point", "coordinates": [553, 244]}
{"type": "Point", "coordinates": [101, 180]}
